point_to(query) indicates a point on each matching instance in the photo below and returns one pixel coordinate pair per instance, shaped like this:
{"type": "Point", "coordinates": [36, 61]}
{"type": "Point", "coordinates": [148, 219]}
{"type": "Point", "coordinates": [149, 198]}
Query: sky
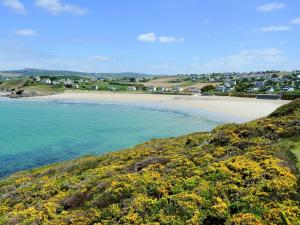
{"type": "Point", "coordinates": [150, 36]}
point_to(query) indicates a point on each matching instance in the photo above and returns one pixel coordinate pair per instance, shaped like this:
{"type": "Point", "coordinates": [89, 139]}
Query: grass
{"type": "Point", "coordinates": [296, 151]}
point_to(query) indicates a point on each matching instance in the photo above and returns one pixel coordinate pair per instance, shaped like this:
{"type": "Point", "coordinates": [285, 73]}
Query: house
{"type": "Point", "coordinates": [68, 84]}
{"type": "Point", "coordinates": [179, 89]}
{"type": "Point", "coordinates": [288, 88]}
{"type": "Point", "coordinates": [232, 82]}
{"type": "Point", "coordinates": [255, 89]}
{"type": "Point", "coordinates": [271, 90]}
{"type": "Point", "coordinates": [152, 88]}
{"type": "Point", "coordinates": [194, 90]}
{"type": "Point", "coordinates": [275, 79]}
{"type": "Point", "coordinates": [112, 88]}
{"type": "Point", "coordinates": [227, 85]}
{"type": "Point", "coordinates": [131, 88]}
{"type": "Point", "coordinates": [259, 84]}
{"type": "Point", "coordinates": [47, 81]}
{"type": "Point", "coordinates": [94, 87]}
{"type": "Point", "coordinates": [55, 82]}
{"type": "Point", "coordinates": [220, 88]}
{"type": "Point", "coordinates": [37, 79]}
{"type": "Point", "coordinates": [162, 89]}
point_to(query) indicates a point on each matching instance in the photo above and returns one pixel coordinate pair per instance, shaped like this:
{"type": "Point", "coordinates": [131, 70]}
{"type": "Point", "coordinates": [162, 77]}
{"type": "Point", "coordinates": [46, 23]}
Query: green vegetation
{"type": "Point", "coordinates": [208, 88]}
{"type": "Point", "coordinates": [236, 174]}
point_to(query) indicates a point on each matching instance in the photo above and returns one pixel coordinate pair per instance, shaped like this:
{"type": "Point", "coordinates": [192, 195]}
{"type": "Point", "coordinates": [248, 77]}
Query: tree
{"type": "Point", "coordinates": [208, 88]}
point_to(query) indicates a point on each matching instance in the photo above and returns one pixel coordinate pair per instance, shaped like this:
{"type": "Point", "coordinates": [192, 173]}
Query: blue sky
{"type": "Point", "coordinates": [150, 36]}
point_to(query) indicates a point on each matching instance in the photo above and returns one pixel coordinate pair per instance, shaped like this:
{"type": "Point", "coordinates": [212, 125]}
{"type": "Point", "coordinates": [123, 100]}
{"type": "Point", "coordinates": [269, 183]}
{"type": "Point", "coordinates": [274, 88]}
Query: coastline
{"type": "Point", "coordinates": [224, 108]}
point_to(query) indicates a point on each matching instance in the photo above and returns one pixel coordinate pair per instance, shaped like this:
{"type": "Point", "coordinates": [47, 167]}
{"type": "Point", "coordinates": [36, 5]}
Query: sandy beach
{"type": "Point", "coordinates": [3, 94]}
{"type": "Point", "coordinates": [244, 108]}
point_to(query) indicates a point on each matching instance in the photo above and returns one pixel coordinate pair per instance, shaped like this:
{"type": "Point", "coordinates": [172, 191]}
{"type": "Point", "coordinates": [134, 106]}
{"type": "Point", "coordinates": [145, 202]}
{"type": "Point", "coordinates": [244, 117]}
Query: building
{"type": "Point", "coordinates": [152, 88]}
{"type": "Point", "coordinates": [112, 88]}
{"type": "Point", "coordinates": [162, 89]}
{"type": "Point", "coordinates": [271, 90]}
{"type": "Point", "coordinates": [47, 81]}
{"type": "Point", "coordinates": [259, 84]}
{"type": "Point", "coordinates": [194, 90]}
{"type": "Point", "coordinates": [220, 88]}
{"type": "Point", "coordinates": [179, 89]}
{"type": "Point", "coordinates": [94, 87]}
{"type": "Point", "coordinates": [131, 88]}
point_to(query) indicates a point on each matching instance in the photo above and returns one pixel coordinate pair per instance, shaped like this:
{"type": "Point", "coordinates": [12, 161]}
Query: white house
{"type": "Point", "coordinates": [68, 83]}
{"type": "Point", "coordinates": [259, 84]}
{"type": "Point", "coordinates": [162, 89]}
{"type": "Point", "coordinates": [194, 90]}
{"type": "Point", "coordinates": [47, 81]}
{"type": "Point", "coordinates": [221, 88]}
{"type": "Point", "coordinates": [179, 89]}
{"type": "Point", "coordinates": [95, 87]}
{"type": "Point", "coordinates": [271, 90]}
{"type": "Point", "coordinates": [55, 83]}
{"type": "Point", "coordinates": [131, 88]}
{"type": "Point", "coordinates": [112, 88]}
{"type": "Point", "coordinates": [152, 88]}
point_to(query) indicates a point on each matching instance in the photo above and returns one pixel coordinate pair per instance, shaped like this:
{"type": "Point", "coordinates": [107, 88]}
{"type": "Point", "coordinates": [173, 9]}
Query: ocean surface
{"type": "Point", "coordinates": [33, 134]}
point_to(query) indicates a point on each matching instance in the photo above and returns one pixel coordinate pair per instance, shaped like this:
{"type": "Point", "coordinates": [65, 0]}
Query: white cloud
{"type": "Point", "coordinates": [101, 58]}
{"type": "Point", "coordinates": [148, 37]}
{"type": "Point", "coordinates": [248, 60]}
{"type": "Point", "coordinates": [26, 32]}
{"type": "Point", "coordinates": [152, 37]}
{"type": "Point", "coordinates": [275, 29]}
{"type": "Point", "coordinates": [57, 6]}
{"type": "Point", "coordinates": [16, 5]}
{"type": "Point", "coordinates": [169, 39]}
{"type": "Point", "coordinates": [271, 6]}
{"type": "Point", "coordinates": [295, 21]}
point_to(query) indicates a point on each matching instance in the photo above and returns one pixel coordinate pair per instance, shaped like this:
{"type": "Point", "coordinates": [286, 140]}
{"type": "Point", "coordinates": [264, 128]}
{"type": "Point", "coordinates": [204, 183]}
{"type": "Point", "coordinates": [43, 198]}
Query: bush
{"type": "Point", "coordinates": [208, 88]}
{"type": "Point", "coordinates": [290, 95]}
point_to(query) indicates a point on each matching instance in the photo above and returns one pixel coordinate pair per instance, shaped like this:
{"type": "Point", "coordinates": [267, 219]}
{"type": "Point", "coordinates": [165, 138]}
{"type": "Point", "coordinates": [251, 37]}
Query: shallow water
{"type": "Point", "coordinates": [33, 134]}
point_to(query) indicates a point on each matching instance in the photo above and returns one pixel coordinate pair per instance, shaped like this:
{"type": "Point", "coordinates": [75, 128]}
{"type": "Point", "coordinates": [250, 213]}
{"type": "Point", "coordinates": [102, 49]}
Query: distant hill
{"type": "Point", "coordinates": [42, 72]}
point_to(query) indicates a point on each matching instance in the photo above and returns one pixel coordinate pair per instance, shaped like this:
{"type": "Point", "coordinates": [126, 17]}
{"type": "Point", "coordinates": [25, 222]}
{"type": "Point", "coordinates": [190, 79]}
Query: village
{"type": "Point", "coordinates": [252, 84]}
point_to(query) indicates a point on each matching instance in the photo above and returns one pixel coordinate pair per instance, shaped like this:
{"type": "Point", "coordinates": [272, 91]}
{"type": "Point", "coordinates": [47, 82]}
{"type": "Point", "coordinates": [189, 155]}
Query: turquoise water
{"type": "Point", "coordinates": [33, 134]}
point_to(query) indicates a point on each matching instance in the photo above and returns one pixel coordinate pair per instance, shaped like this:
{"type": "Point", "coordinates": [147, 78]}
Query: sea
{"type": "Point", "coordinates": [36, 133]}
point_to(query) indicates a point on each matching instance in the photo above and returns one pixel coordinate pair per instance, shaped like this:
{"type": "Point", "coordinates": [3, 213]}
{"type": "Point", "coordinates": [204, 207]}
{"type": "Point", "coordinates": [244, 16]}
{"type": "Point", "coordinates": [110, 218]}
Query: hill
{"type": "Point", "coordinates": [41, 72]}
{"type": "Point", "coordinates": [235, 174]}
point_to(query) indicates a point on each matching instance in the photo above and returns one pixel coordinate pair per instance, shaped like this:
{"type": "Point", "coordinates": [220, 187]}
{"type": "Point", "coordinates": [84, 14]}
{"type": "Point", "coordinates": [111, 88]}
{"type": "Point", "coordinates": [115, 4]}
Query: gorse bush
{"type": "Point", "coordinates": [236, 174]}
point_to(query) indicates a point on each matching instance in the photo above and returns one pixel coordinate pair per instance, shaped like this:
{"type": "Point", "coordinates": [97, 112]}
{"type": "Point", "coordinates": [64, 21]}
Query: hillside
{"type": "Point", "coordinates": [236, 174]}
{"type": "Point", "coordinates": [42, 72]}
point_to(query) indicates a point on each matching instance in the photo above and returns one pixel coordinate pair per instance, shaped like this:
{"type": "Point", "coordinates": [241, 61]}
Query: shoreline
{"type": "Point", "coordinates": [224, 108]}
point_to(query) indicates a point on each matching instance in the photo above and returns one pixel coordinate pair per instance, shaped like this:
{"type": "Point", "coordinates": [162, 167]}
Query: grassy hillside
{"type": "Point", "coordinates": [236, 174]}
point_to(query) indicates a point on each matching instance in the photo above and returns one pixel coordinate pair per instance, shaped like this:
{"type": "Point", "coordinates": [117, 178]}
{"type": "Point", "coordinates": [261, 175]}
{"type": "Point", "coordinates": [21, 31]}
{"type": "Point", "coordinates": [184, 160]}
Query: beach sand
{"type": "Point", "coordinates": [231, 107]}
